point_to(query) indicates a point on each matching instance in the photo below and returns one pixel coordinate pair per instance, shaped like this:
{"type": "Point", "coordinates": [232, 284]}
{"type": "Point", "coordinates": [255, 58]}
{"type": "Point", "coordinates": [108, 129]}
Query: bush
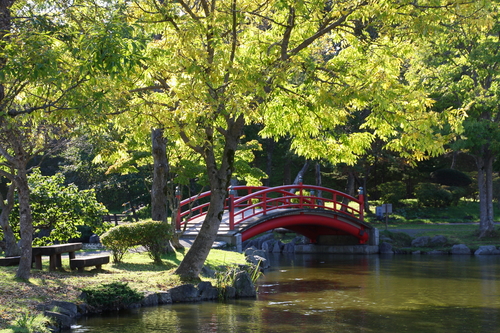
{"type": "Point", "coordinates": [392, 192]}
{"type": "Point", "coordinates": [153, 235]}
{"type": "Point", "coordinates": [58, 209]}
{"type": "Point", "coordinates": [433, 195]}
{"type": "Point", "coordinates": [112, 296]}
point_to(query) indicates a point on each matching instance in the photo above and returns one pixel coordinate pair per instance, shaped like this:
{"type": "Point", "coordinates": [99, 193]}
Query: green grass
{"type": "Point", "coordinates": [408, 211]}
{"type": "Point", "coordinates": [459, 224]}
{"type": "Point", "coordinates": [21, 297]}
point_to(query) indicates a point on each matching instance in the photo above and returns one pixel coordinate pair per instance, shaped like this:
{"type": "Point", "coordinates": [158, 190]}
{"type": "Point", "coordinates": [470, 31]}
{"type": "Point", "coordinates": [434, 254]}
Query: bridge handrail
{"type": "Point", "coordinates": [202, 209]}
{"type": "Point", "coordinates": [311, 201]}
{"type": "Point", "coordinates": [237, 207]}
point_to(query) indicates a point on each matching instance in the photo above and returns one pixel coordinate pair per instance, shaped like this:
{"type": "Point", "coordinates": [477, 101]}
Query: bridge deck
{"type": "Point", "coordinates": [194, 225]}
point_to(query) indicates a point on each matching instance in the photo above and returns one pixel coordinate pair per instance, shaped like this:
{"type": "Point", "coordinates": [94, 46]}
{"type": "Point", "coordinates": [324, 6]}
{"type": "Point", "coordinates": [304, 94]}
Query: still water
{"type": "Point", "coordinates": [340, 293]}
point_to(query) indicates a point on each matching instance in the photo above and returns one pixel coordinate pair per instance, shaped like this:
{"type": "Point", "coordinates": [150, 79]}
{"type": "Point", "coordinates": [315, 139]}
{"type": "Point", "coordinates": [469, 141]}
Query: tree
{"type": "Point", "coordinates": [58, 209]}
{"type": "Point", "coordinates": [462, 72]}
{"type": "Point", "coordinates": [56, 59]}
{"type": "Point", "coordinates": [6, 205]}
{"type": "Point", "coordinates": [298, 68]}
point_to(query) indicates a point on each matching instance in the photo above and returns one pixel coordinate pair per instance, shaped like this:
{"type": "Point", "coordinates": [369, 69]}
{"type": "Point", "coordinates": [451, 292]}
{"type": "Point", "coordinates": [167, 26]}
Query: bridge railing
{"type": "Point", "coordinates": [245, 202]}
{"type": "Point", "coordinates": [189, 208]}
{"type": "Point", "coordinates": [295, 197]}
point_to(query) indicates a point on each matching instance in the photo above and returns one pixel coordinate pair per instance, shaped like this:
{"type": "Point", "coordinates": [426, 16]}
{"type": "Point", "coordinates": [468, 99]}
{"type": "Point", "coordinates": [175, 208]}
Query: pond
{"type": "Point", "coordinates": [340, 293]}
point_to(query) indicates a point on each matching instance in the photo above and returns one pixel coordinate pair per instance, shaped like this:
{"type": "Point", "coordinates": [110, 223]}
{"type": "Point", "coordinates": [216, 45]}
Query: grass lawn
{"type": "Point", "coordinates": [459, 224]}
{"type": "Point", "coordinates": [19, 298]}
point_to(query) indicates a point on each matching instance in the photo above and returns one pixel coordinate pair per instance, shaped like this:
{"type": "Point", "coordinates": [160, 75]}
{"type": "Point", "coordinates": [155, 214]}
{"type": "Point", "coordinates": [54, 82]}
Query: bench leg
{"type": "Point", "coordinates": [38, 262]}
{"type": "Point", "coordinates": [98, 266]}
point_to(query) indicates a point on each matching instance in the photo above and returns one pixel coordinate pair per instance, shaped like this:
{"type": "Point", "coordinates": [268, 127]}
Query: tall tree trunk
{"type": "Point", "coordinates": [160, 176]}
{"type": "Point", "coordinates": [220, 177]}
{"type": "Point", "coordinates": [300, 176]}
{"type": "Point", "coordinates": [25, 222]}
{"type": "Point", "coordinates": [11, 247]}
{"type": "Point", "coordinates": [484, 164]}
{"type": "Point", "coordinates": [159, 190]}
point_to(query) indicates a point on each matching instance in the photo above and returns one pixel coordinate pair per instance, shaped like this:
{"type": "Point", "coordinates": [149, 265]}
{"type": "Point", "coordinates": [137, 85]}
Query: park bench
{"type": "Point", "coordinates": [10, 261]}
{"type": "Point", "coordinates": [81, 262]}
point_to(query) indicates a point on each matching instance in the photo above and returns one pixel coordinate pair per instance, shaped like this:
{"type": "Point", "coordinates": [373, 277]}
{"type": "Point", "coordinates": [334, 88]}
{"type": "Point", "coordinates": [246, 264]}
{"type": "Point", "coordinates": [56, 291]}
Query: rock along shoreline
{"type": "Point", "coordinates": [64, 314]}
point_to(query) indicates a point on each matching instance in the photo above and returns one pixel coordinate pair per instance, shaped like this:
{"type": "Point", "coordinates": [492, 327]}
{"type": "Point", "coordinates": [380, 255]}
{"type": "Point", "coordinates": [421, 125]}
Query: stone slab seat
{"type": "Point", "coordinates": [82, 262]}
{"type": "Point", "coordinates": [10, 261]}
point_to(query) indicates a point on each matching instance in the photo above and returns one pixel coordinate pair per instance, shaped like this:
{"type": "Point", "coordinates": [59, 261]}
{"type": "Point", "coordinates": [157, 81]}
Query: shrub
{"type": "Point", "coordinates": [112, 296]}
{"type": "Point", "coordinates": [433, 195]}
{"type": "Point", "coordinates": [392, 192]}
{"type": "Point", "coordinates": [153, 235]}
{"type": "Point", "coordinates": [59, 209]}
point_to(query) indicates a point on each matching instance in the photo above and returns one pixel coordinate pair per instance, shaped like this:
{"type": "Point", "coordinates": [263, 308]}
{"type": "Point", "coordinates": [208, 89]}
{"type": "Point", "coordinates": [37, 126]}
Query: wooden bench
{"type": "Point", "coordinates": [81, 262]}
{"type": "Point", "coordinates": [10, 261]}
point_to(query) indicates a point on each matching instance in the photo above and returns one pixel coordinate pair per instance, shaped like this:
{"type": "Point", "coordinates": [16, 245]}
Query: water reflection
{"type": "Point", "coordinates": [332, 293]}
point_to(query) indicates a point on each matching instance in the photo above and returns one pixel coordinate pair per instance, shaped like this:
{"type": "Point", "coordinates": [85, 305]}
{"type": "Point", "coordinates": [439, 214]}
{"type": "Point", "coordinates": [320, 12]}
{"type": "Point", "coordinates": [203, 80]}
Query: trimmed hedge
{"type": "Point", "coordinates": [153, 235]}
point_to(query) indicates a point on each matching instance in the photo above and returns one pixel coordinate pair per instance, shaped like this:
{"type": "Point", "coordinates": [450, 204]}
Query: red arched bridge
{"type": "Point", "coordinates": [305, 209]}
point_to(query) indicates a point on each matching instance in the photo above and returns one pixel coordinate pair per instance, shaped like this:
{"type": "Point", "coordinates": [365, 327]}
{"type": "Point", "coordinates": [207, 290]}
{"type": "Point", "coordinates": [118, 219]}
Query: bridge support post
{"type": "Point", "coordinates": [238, 243]}
{"type": "Point", "coordinates": [374, 236]}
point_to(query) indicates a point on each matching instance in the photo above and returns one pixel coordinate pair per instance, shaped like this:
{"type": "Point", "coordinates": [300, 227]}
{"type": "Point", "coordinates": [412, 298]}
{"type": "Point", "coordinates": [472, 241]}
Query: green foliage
{"type": "Point", "coordinates": [451, 177]}
{"type": "Point", "coordinates": [153, 235]}
{"type": "Point", "coordinates": [435, 195]}
{"type": "Point", "coordinates": [227, 277]}
{"type": "Point", "coordinates": [61, 208]}
{"type": "Point", "coordinates": [112, 296]}
{"type": "Point", "coordinates": [27, 322]}
{"type": "Point", "coordinates": [392, 192]}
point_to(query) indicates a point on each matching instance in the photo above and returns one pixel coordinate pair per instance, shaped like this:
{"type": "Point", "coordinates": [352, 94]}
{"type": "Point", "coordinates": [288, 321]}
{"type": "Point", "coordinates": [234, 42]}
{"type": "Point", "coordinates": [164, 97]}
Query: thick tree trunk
{"type": "Point", "coordinates": [26, 224]}
{"type": "Point", "coordinates": [160, 176]}
{"type": "Point", "coordinates": [11, 247]}
{"type": "Point", "coordinates": [485, 185]}
{"type": "Point", "coordinates": [159, 192]}
{"type": "Point", "coordinates": [220, 177]}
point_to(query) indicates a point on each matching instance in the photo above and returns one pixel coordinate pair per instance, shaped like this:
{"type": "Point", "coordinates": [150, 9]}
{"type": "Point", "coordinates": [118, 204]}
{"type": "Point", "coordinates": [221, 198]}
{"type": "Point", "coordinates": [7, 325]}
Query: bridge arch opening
{"type": "Point", "coordinates": [309, 225]}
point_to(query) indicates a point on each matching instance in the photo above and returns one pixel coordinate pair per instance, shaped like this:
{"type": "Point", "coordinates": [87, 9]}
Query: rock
{"type": "Point", "coordinates": [436, 252]}
{"type": "Point", "coordinates": [289, 248]}
{"type": "Point", "coordinates": [486, 249]}
{"type": "Point", "coordinates": [263, 239]}
{"type": "Point", "coordinates": [438, 240]}
{"type": "Point", "coordinates": [207, 291]}
{"type": "Point", "coordinates": [421, 241]}
{"type": "Point", "coordinates": [150, 299]}
{"type": "Point", "coordinates": [257, 260]}
{"type": "Point", "coordinates": [207, 272]}
{"type": "Point", "coordinates": [249, 251]}
{"type": "Point", "coordinates": [460, 249]}
{"type": "Point", "coordinates": [164, 297]}
{"type": "Point", "coordinates": [277, 247]}
{"type": "Point", "coordinates": [385, 248]}
{"type": "Point", "coordinates": [230, 292]}
{"type": "Point", "coordinates": [244, 285]}
{"type": "Point", "coordinates": [416, 252]}
{"type": "Point", "coordinates": [63, 321]}
{"type": "Point", "coordinates": [94, 239]}
{"type": "Point", "coordinates": [184, 293]}
{"type": "Point", "coordinates": [249, 243]}
{"type": "Point", "coordinates": [66, 308]}
{"type": "Point", "coordinates": [252, 251]}
{"type": "Point", "coordinates": [268, 245]}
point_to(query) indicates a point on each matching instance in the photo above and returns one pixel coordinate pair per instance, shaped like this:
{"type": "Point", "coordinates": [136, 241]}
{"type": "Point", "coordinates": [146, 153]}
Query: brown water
{"type": "Point", "coordinates": [334, 293]}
